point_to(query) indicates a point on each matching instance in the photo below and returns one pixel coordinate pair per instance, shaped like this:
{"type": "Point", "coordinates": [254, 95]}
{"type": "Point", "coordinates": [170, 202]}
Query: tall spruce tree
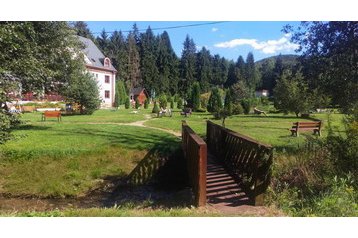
{"type": "Point", "coordinates": [168, 64]}
{"type": "Point", "coordinates": [204, 69]}
{"type": "Point", "coordinates": [119, 55]}
{"type": "Point", "coordinates": [232, 76]}
{"type": "Point", "coordinates": [251, 76]}
{"type": "Point", "coordinates": [134, 75]}
{"type": "Point", "coordinates": [103, 42]}
{"type": "Point", "coordinates": [149, 70]}
{"type": "Point", "coordinates": [277, 72]}
{"type": "Point", "coordinates": [187, 66]}
{"type": "Point", "coordinates": [82, 29]}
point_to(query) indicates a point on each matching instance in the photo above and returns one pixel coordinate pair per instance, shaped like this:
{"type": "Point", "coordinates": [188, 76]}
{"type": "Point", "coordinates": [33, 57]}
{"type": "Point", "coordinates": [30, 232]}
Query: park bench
{"type": "Point", "coordinates": [165, 112]}
{"type": "Point", "coordinates": [306, 126]}
{"type": "Point", "coordinates": [186, 111]}
{"type": "Point", "coordinates": [55, 114]}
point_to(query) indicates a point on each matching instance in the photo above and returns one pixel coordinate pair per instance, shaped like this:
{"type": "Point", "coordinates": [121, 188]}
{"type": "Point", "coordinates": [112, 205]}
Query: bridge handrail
{"type": "Point", "coordinates": [195, 153]}
{"type": "Point", "coordinates": [246, 159]}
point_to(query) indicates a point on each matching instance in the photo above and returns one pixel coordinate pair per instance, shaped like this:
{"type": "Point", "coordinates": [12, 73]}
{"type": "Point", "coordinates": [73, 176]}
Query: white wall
{"type": "Point", "coordinates": [100, 77]}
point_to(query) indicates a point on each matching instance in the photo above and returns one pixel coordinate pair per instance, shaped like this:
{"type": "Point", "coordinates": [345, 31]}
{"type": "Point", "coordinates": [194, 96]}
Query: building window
{"type": "Point", "coordinates": [106, 62]}
{"type": "Point", "coordinates": [96, 76]}
{"type": "Point", "coordinates": [106, 78]}
{"type": "Point", "coordinates": [106, 94]}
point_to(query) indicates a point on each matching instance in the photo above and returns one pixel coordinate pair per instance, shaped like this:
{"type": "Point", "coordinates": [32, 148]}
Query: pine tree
{"type": "Point", "coordinates": [167, 63]}
{"type": "Point", "coordinates": [277, 72]}
{"type": "Point", "coordinates": [228, 103]}
{"type": "Point", "coordinates": [195, 96]}
{"type": "Point", "coordinates": [215, 101]}
{"type": "Point", "coordinates": [251, 75]}
{"type": "Point", "coordinates": [232, 76]}
{"type": "Point", "coordinates": [204, 69]}
{"type": "Point", "coordinates": [240, 68]}
{"type": "Point", "coordinates": [187, 66]}
{"type": "Point", "coordinates": [134, 75]}
{"type": "Point", "coordinates": [149, 70]}
{"type": "Point", "coordinates": [103, 42]}
{"type": "Point", "coordinates": [82, 29]}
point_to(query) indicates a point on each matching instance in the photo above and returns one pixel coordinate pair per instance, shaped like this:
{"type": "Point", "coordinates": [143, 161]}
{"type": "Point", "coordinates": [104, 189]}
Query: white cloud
{"type": "Point", "coordinates": [267, 47]}
{"type": "Point", "coordinates": [214, 29]}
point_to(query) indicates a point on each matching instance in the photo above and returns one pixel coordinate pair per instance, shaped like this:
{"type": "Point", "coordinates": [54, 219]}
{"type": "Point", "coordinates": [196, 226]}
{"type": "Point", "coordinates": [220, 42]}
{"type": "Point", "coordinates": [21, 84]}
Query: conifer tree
{"type": "Point", "coordinates": [134, 75]}
{"type": "Point", "coordinates": [195, 96]}
{"type": "Point", "coordinates": [204, 69]}
{"type": "Point", "coordinates": [187, 66]}
{"type": "Point", "coordinates": [251, 75]}
{"type": "Point", "coordinates": [149, 70]}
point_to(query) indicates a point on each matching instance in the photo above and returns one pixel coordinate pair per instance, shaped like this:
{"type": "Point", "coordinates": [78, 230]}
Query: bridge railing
{"type": "Point", "coordinates": [246, 159]}
{"type": "Point", "coordinates": [195, 153]}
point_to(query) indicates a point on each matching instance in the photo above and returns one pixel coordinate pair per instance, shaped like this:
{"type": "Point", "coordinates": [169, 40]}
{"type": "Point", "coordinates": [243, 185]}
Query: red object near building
{"type": "Point", "coordinates": [139, 93]}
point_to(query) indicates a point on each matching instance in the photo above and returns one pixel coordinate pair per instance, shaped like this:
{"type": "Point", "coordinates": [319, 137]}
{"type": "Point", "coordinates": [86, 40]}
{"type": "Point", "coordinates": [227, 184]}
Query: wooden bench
{"type": "Point", "coordinates": [186, 111]}
{"type": "Point", "coordinates": [56, 114]}
{"type": "Point", "coordinates": [306, 126]}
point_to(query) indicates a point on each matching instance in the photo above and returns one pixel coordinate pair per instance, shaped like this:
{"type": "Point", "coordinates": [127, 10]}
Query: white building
{"type": "Point", "coordinates": [102, 70]}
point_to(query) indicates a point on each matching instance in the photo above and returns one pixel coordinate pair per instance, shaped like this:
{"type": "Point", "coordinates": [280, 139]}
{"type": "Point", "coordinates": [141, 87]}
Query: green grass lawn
{"type": "Point", "coordinates": [70, 158]}
{"type": "Point", "coordinates": [100, 116]}
{"type": "Point", "coordinates": [65, 159]}
{"type": "Point", "coordinates": [273, 129]}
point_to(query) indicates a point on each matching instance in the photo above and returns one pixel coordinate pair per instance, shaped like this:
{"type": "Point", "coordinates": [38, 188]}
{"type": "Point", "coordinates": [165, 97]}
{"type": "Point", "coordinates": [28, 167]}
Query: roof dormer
{"type": "Point", "coordinates": [107, 62]}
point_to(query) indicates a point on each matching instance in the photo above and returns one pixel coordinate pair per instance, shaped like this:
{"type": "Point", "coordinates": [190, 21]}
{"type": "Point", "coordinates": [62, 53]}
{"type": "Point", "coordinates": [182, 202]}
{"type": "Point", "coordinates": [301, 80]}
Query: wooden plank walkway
{"type": "Point", "coordinates": [221, 188]}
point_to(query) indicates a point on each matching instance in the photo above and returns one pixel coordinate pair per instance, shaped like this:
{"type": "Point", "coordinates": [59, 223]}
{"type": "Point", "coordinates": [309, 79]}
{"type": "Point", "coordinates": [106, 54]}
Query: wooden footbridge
{"type": "Point", "coordinates": [229, 169]}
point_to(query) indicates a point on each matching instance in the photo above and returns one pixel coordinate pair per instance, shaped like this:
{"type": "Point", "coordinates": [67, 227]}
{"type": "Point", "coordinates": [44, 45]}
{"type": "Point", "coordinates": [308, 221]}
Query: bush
{"type": "Point", "coordinates": [246, 105]}
{"type": "Point", "coordinates": [146, 103]}
{"type": "Point", "coordinates": [137, 103]}
{"type": "Point", "coordinates": [201, 110]}
{"type": "Point", "coordinates": [171, 103]}
{"type": "Point", "coordinates": [215, 101]}
{"type": "Point", "coordinates": [155, 108]}
{"type": "Point", "coordinates": [127, 103]}
{"type": "Point", "coordinates": [237, 109]}
{"type": "Point", "coordinates": [84, 91]}
{"type": "Point", "coordinates": [163, 101]}
{"type": "Point", "coordinates": [176, 97]}
{"type": "Point", "coordinates": [204, 99]}
{"type": "Point", "coordinates": [180, 103]}
{"type": "Point", "coordinates": [264, 101]}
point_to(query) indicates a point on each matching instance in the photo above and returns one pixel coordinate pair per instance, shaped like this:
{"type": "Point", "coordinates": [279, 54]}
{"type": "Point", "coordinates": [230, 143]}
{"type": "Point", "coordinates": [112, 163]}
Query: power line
{"type": "Point", "coordinates": [171, 27]}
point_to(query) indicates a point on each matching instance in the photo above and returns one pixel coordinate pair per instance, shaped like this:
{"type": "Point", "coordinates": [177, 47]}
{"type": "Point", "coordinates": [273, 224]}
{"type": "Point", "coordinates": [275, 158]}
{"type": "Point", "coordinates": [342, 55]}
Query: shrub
{"type": "Point", "coordinates": [155, 108]}
{"type": "Point", "coordinates": [180, 103]}
{"type": "Point", "coordinates": [237, 109]}
{"type": "Point", "coordinates": [171, 103]}
{"type": "Point", "coordinates": [137, 103]}
{"type": "Point", "coordinates": [84, 91]}
{"type": "Point", "coordinates": [204, 99]}
{"type": "Point", "coordinates": [195, 96]}
{"type": "Point", "coordinates": [201, 110]}
{"type": "Point", "coordinates": [163, 101]}
{"type": "Point", "coordinates": [264, 101]}
{"type": "Point", "coordinates": [127, 103]}
{"type": "Point", "coordinates": [176, 97]}
{"type": "Point", "coordinates": [215, 102]}
{"type": "Point", "coordinates": [146, 103]}
{"type": "Point", "coordinates": [246, 105]}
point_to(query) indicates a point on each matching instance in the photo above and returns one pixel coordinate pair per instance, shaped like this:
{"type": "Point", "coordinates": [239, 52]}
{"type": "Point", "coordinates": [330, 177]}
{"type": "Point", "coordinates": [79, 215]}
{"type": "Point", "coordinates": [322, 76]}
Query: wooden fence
{"type": "Point", "coordinates": [247, 160]}
{"type": "Point", "coordinates": [195, 153]}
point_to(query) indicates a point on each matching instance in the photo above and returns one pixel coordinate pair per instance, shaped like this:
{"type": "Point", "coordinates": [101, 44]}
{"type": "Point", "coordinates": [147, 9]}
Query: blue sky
{"type": "Point", "coordinates": [228, 39]}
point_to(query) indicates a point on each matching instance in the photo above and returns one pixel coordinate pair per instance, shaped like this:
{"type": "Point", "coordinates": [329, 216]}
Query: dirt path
{"type": "Point", "coordinates": [138, 124]}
